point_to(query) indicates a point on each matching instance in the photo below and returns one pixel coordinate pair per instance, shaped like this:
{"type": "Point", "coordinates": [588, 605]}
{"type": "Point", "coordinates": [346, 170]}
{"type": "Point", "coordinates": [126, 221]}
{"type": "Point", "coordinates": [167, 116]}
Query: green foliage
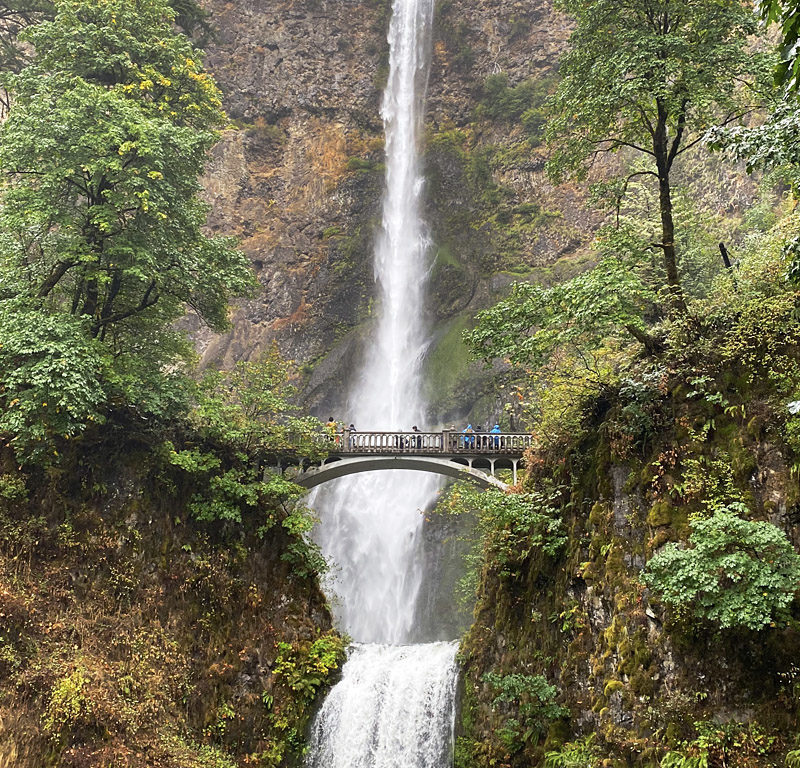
{"type": "Point", "coordinates": [637, 67]}
{"type": "Point", "coordinates": [364, 165]}
{"type": "Point", "coordinates": [13, 487]}
{"type": "Point", "coordinates": [243, 419]}
{"type": "Point", "coordinates": [253, 407]}
{"type": "Point", "coordinates": [15, 15]}
{"type": "Point", "coordinates": [735, 572]}
{"type": "Point", "coordinates": [575, 754]}
{"type": "Point", "coordinates": [773, 146]}
{"type": "Point", "coordinates": [748, 324]}
{"type": "Point", "coordinates": [533, 321]}
{"type": "Point", "coordinates": [512, 526]}
{"type": "Point", "coordinates": [301, 551]}
{"type": "Point", "coordinates": [105, 216]}
{"type": "Point", "coordinates": [303, 669]}
{"type": "Point", "coordinates": [50, 378]}
{"type": "Point", "coordinates": [522, 103]}
{"type": "Point", "coordinates": [729, 744]}
{"type": "Point", "coordinates": [787, 14]}
{"type": "Point", "coordinates": [650, 78]}
{"type": "Point", "coordinates": [101, 223]}
{"type": "Point", "coordinates": [193, 755]}
{"type": "Point", "coordinates": [67, 705]}
{"type": "Point", "coordinates": [531, 701]}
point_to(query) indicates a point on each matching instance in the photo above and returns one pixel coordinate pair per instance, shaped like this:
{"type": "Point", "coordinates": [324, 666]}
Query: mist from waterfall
{"type": "Point", "coordinates": [394, 706]}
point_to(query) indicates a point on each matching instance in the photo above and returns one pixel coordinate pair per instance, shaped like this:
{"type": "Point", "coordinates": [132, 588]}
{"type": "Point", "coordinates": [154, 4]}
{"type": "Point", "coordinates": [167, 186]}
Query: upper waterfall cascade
{"type": "Point", "coordinates": [394, 704]}
{"type": "Point", "coordinates": [376, 573]}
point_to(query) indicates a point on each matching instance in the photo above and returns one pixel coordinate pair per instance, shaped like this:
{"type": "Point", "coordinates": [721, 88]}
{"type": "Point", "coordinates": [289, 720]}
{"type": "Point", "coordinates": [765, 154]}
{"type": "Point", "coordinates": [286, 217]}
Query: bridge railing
{"type": "Point", "coordinates": [429, 443]}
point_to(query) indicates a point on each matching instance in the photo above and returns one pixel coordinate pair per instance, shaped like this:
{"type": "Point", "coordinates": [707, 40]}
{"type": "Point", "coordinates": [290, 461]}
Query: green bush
{"type": "Point", "coordinates": [726, 744]}
{"type": "Point", "coordinates": [523, 103]}
{"type": "Point", "coordinates": [735, 572]}
{"type": "Point", "coordinates": [67, 707]}
{"type": "Point", "coordinates": [302, 669]}
{"type": "Point", "coordinates": [50, 377]}
{"type": "Point", "coordinates": [574, 754]}
{"type": "Point", "coordinates": [512, 526]}
{"type": "Point", "coordinates": [531, 700]}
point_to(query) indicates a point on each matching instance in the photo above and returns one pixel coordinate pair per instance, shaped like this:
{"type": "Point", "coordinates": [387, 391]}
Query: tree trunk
{"type": "Point", "coordinates": [652, 344]}
{"type": "Point", "coordinates": [664, 159]}
{"type": "Point", "coordinates": [668, 243]}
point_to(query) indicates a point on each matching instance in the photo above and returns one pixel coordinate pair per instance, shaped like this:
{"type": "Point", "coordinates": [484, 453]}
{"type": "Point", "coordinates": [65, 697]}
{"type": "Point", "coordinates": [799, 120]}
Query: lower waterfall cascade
{"type": "Point", "coordinates": [394, 706]}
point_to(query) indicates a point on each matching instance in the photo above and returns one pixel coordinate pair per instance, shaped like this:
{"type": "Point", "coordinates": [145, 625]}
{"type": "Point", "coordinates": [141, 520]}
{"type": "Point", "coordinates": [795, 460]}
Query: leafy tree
{"type": "Point", "coordinates": [101, 222]}
{"type": "Point", "coordinates": [735, 572]}
{"type": "Point", "coordinates": [253, 407]}
{"type": "Point", "coordinates": [787, 14]}
{"type": "Point", "coordinates": [243, 419]}
{"type": "Point", "coordinates": [102, 151]}
{"type": "Point", "coordinates": [528, 325]}
{"type": "Point", "coordinates": [15, 15]}
{"type": "Point", "coordinates": [650, 77]}
{"type": "Point", "coordinates": [50, 371]}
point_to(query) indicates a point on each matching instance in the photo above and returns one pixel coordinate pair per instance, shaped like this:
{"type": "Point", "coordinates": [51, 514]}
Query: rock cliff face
{"type": "Point", "coordinates": [637, 679]}
{"type": "Point", "coordinates": [131, 634]}
{"type": "Point", "coordinates": [298, 177]}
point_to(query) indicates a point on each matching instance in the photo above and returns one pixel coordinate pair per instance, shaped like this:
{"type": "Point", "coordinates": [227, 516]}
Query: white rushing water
{"type": "Point", "coordinates": [371, 524]}
{"type": "Point", "coordinates": [393, 707]}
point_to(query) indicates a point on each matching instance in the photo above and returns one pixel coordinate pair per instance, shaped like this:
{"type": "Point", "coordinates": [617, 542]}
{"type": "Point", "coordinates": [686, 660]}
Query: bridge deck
{"type": "Point", "coordinates": [444, 443]}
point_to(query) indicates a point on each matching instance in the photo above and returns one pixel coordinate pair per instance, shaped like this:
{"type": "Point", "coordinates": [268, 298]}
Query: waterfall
{"type": "Point", "coordinates": [402, 713]}
{"type": "Point", "coordinates": [393, 707]}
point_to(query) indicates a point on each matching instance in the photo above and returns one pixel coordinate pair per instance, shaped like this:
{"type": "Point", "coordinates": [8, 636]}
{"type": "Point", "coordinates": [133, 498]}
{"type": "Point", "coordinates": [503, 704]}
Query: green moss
{"type": "Point", "coordinates": [449, 358]}
{"type": "Point", "coordinates": [364, 165]}
{"type": "Point", "coordinates": [598, 516]}
{"type": "Point", "coordinates": [660, 514]}
{"type": "Point", "coordinates": [612, 686]}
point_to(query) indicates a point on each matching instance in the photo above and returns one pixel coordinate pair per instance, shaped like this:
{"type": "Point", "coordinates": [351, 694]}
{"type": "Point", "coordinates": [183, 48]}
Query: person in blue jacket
{"type": "Point", "coordinates": [469, 441]}
{"type": "Point", "coordinates": [495, 431]}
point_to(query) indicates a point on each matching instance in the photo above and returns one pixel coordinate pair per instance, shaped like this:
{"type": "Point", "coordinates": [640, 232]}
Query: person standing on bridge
{"type": "Point", "coordinates": [469, 441]}
{"type": "Point", "coordinates": [417, 440]}
{"type": "Point", "coordinates": [330, 429]}
{"type": "Point", "coordinates": [495, 440]}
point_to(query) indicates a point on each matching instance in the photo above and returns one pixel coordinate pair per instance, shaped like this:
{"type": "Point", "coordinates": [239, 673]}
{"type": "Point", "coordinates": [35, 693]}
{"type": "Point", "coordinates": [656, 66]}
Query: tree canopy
{"type": "Point", "coordinates": [649, 77]}
{"type": "Point", "coordinates": [787, 14]}
{"type": "Point", "coordinates": [101, 220]}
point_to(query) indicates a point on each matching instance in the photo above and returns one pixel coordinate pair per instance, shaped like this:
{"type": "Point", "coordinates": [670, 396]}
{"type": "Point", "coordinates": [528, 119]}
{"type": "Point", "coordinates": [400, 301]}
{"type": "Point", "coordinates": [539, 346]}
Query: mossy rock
{"type": "Point", "coordinates": [660, 514]}
{"type": "Point", "coordinates": [612, 686]}
{"type": "Point", "coordinates": [599, 513]}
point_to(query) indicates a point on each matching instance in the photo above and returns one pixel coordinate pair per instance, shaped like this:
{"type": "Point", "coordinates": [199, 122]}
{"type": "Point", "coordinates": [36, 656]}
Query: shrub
{"type": "Point", "coordinates": [67, 707]}
{"type": "Point", "coordinates": [532, 700]}
{"type": "Point", "coordinates": [513, 525]}
{"type": "Point", "coordinates": [735, 572]}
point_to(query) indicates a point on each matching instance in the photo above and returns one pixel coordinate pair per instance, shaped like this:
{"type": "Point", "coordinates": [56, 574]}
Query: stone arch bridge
{"type": "Point", "coordinates": [463, 456]}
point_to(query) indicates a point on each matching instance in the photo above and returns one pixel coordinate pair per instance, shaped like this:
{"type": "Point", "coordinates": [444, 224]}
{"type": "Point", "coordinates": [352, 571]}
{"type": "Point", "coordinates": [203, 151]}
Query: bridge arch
{"type": "Point", "coordinates": [336, 468]}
